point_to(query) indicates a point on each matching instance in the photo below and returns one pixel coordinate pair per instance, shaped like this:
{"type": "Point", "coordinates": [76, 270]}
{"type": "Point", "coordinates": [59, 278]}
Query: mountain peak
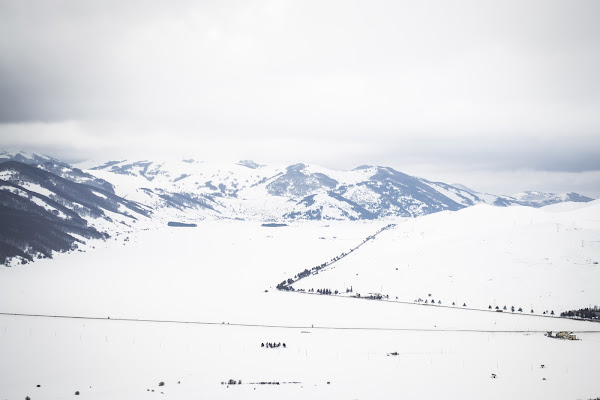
{"type": "Point", "coordinates": [28, 158]}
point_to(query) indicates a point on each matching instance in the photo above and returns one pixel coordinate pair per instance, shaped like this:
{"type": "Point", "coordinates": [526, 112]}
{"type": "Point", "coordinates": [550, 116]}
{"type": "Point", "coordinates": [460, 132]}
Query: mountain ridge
{"type": "Point", "coordinates": [111, 196]}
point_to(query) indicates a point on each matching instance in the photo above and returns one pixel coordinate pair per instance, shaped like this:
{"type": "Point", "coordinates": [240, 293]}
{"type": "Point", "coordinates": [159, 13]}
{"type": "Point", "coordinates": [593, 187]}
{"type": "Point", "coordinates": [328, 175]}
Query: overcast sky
{"type": "Point", "coordinates": [501, 96]}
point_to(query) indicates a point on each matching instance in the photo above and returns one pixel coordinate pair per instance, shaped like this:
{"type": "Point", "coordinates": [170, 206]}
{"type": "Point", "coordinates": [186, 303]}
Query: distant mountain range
{"type": "Point", "coordinates": [48, 205]}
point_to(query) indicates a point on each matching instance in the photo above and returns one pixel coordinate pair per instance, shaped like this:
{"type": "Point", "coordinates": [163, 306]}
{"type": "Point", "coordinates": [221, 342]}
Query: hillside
{"type": "Point", "coordinates": [42, 213]}
{"type": "Point", "coordinates": [534, 259]}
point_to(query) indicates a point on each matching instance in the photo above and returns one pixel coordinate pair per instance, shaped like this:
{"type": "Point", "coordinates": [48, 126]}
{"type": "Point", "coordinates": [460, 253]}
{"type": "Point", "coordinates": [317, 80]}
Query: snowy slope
{"type": "Point", "coordinates": [42, 212]}
{"type": "Point", "coordinates": [518, 256]}
{"type": "Point", "coordinates": [218, 273]}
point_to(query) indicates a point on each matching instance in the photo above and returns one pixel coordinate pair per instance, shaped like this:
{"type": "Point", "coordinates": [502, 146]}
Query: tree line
{"type": "Point", "coordinates": [585, 313]}
{"type": "Point", "coordinates": [287, 284]}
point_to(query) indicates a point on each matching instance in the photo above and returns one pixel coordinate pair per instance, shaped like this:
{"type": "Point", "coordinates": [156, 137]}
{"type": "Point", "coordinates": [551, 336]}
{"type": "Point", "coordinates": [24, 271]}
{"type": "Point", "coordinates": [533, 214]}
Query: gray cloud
{"type": "Point", "coordinates": [482, 84]}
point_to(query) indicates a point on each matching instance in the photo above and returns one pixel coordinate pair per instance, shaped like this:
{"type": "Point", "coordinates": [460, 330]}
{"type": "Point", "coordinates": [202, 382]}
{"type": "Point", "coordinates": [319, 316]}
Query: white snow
{"type": "Point", "coordinates": [452, 195]}
{"type": "Point", "coordinates": [34, 187]}
{"type": "Point", "coordinates": [7, 175]}
{"type": "Point", "coordinates": [99, 194]}
{"type": "Point", "coordinates": [36, 200]}
{"type": "Point", "coordinates": [48, 207]}
{"type": "Point", "coordinates": [481, 256]}
{"type": "Point", "coordinates": [224, 273]}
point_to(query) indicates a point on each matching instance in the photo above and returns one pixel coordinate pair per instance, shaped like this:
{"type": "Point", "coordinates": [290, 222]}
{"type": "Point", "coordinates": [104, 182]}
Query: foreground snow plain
{"type": "Point", "coordinates": [223, 274]}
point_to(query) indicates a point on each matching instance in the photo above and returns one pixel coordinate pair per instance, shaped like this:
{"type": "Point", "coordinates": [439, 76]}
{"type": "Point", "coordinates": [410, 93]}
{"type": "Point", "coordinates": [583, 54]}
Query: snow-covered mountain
{"type": "Point", "coordinates": [28, 158]}
{"type": "Point", "coordinates": [41, 212]}
{"type": "Point", "coordinates": [540, 199]}
{"type": "Point", "coordinates": [298, 191]}
{"type": "Point", "coordinates": [111, 196]}
{"type": "Point", "coordinates": [56, 167]}
{"type": "Point", "coordinates": [309, 192]}
{"type": "Point", "coordinates": [529, 198]}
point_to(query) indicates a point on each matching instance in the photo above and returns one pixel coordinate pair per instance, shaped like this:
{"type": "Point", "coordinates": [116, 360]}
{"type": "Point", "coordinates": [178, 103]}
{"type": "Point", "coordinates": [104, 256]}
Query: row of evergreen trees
{"type": "Point", "coordinates": [512, 308]}
{"type": "Point", "coordinates": [286, 285]}
{"type": "Point", "coordinates": [232, 382]}
{"type": "Point", "coordinates": [587, 313]}
{"type": "Point", "coordinates": [326, 291]}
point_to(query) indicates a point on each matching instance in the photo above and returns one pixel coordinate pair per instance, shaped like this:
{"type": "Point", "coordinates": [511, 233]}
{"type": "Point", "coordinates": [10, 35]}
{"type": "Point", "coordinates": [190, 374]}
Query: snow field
{"type": "Point", "coordinates": [121, 360]}
{"type": "Point", "coordinates": [224, 273]}
{"type": "Point", "coordinates": [480, 256]}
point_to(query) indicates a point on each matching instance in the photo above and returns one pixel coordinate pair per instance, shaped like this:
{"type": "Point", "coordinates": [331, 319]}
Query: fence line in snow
{"type": "Point", "coordinates": [323, 327]}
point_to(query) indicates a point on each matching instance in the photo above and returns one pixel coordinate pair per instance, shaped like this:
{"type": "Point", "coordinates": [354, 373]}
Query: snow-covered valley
{"type": "Point", "coordinates": [216, 284]}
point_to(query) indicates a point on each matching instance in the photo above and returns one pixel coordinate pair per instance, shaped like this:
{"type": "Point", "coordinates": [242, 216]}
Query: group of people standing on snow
{"type": "Point", "coordinates": [270, 345]}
